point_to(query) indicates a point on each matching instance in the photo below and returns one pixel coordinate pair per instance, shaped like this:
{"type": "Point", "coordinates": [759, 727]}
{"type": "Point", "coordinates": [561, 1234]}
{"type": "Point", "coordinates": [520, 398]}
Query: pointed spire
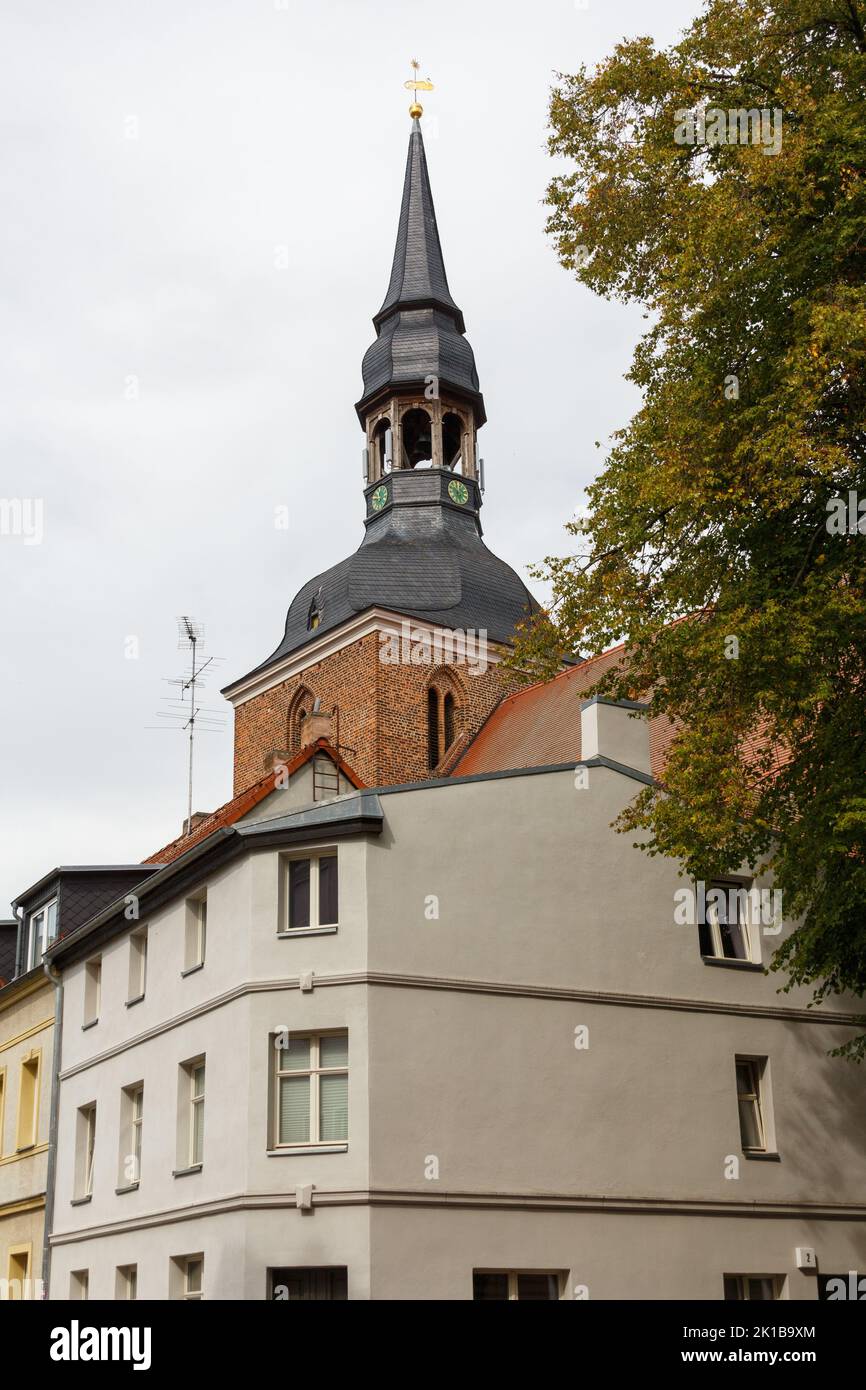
{"type": "Point", "coordinates": [418, 278]}
{"type": "Point", "coordinates": [419, 328]}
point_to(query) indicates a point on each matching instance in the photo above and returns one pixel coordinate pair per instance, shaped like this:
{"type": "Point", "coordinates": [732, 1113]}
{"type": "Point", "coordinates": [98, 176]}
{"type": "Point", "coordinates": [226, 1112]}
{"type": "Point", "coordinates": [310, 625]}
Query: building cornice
{"type": "Point", "coordinates": [372, 621]}
{"type": "Point", "coordinates": [6, 1043]}
{"type": "Point", "coordinates": [471, 986]}
{"type": "Point", "coordinates": [479, 1200]}
{"type": "Point", "coordinates": [14, 991]}
{"type": "Point", "coordinates": [25, 1204]}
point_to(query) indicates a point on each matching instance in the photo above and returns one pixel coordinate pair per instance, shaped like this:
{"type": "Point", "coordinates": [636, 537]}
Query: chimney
{"type": "Point", "coordinates": [316, 725]}
{"type": "Point", "coordinates": [195, 821]}
{"type": "Point", "coordinates": [611, 729]}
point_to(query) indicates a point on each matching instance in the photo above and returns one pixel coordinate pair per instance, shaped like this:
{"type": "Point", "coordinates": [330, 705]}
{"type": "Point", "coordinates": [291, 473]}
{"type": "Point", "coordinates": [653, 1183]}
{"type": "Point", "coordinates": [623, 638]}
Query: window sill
{"type": "Point", "coordinates": [129, 1187]}
{"type": "Point", "coordinates": [137, 1000]}
{"type": "Point", "coordinates": [81, 1201]}
{"type": "Point", "coordinates": [763, 1157]}
{"type": "Point", "coordinates": [732, 964]}
{"type": "Point", "coordinates": [184, 1172]}
{"type": "Point", "coordinates": [307, 931]}
{"type": "Point", "coordinates": [191, 969]}
{"type": "Point", "coordinates": [92, 1024]}
{"type": "Point", "coordinates": [289, 1151]}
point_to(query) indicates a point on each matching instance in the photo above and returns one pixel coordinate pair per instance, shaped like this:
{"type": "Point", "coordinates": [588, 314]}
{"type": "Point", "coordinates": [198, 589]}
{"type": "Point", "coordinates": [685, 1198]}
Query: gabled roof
{"type": "Point", "coordinates": [539, 726]}
{"type": "Point", "coordinates": [239, 805]}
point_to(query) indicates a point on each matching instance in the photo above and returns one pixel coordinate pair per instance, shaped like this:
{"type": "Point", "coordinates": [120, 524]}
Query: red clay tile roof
{"type": "Point", "coordinates": [540, 725]}
{"type": "Point", "coordinates": [246, 800]}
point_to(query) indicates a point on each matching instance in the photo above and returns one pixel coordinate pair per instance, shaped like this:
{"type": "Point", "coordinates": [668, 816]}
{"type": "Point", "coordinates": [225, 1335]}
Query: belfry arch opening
{"type": "Point", "coordinates": [382, 449]}
{"type": "Point", "coordinates": [416, 429]}
{"type": "Point", "coordinates": [452, 442]}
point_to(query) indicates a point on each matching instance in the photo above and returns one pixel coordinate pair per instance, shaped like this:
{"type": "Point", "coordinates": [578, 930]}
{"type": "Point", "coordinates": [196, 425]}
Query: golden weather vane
{"type": "Point", "coordinates": [416, 85]}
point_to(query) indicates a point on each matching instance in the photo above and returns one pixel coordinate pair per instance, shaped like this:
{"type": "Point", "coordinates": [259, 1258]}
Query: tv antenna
{"type": "Point", "coordinates": [184, 706]}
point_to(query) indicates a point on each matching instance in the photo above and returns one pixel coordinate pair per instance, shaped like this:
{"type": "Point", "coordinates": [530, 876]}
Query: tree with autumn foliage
{"type": "Point", "coordinates": [720, 502]}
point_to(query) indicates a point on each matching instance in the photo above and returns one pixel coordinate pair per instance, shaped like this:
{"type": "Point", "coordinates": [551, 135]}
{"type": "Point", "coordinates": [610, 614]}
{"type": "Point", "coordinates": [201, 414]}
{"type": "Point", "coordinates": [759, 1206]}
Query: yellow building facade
{"type": "Point", "coordinates": [26, 1049]}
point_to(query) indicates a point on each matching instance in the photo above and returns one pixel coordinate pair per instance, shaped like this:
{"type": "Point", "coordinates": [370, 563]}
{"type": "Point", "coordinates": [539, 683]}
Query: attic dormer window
{"type": "Point", "coordinates": [41, 931]}
{"type": "Point", "coordinates": [317, 611]}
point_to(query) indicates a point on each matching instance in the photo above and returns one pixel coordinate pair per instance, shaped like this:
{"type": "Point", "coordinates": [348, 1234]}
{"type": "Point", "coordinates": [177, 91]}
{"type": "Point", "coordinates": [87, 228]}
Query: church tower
{"type": "Point", "coordinates": [393, 654]}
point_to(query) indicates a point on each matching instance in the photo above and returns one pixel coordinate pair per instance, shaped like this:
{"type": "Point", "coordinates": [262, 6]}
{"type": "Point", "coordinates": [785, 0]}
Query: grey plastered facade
{"type": "Point", "coordinates": [482, 923]}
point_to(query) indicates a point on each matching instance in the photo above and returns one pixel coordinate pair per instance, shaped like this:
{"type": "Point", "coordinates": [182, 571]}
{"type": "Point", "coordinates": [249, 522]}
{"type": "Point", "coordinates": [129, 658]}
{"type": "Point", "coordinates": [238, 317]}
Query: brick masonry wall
{"type": "Point", "coordinates": [382, 713]}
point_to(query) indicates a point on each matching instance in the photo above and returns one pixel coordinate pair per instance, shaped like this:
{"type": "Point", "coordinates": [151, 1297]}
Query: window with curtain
{"type": "Point", "coordinates": [312, 1090]}
{"type": "Point", "coordinates": [311, 893]}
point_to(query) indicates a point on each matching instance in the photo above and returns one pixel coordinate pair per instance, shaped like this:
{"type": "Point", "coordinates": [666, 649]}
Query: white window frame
{"type": "Point", "coordinates": [136, 1126]}
{"type": "Point", "coordinates": [314, 856]}
{"type": "Point", "coordinates": [89, 1148]}
{"type": "Point", "coordinates": [187, 1294]}
{"type": "Point", "coordinates": [757, 1098]}
{"type": "Point", "coordinates": [86, 1150]}
{"type": "Point", "coordinates": [314, 1071]}
{"type": "Point", "coordinates": [196, 1102]}
{"type": "Point", "coordinates": [137, 965]}
{"type": "Point", "coordinates": [195, 943]}
{"type": "Point", "coordinates": [92, 990]}
{"type": "Point", "coordinates": [41, 931]}
{"type": "Point", "coordinates": [743, 920]}
{"type": "Point", "coordinates": [79, 1285]}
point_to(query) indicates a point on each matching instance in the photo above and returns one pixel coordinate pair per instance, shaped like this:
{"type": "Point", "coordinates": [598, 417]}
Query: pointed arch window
{"type": "Point", "coordinates": [443, 721]}
{"type": "Point", "coordinates": [299, 710]}
{"type": "Point", "coordinates": [448, 719]}
{"type": "Point", "coordinates": [432, 727]}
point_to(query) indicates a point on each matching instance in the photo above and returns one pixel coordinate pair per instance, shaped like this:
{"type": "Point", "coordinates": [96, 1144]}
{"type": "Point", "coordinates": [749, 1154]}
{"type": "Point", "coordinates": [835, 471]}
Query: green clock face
{"type": "Point", "coordinates": [379, 498]}
{"type": "Point", "coordinates": [458, 492]}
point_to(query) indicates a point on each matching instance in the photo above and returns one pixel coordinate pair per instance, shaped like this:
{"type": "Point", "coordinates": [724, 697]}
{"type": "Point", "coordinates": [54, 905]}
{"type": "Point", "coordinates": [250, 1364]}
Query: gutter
{"type": "Point", "coordinates": [57, 980]}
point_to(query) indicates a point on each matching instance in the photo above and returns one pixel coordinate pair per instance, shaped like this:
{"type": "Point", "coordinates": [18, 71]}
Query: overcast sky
{"type": "Point", "coordinates": [166, 385]}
